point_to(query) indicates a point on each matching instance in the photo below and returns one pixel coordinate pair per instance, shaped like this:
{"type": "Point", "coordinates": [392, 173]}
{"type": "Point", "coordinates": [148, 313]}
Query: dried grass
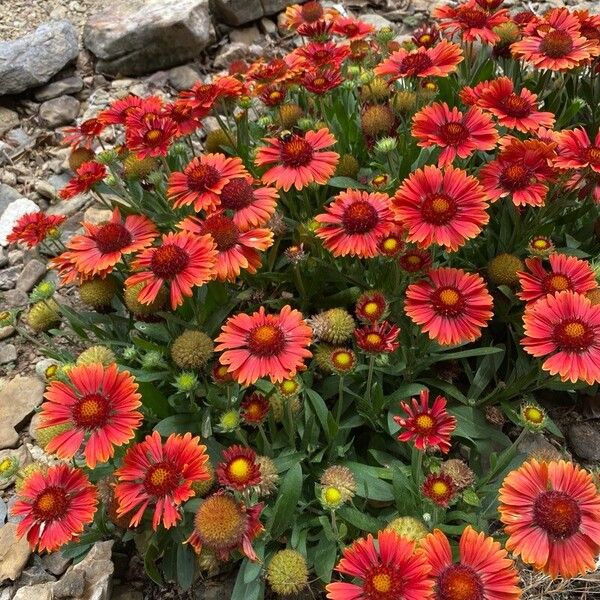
{"type": "Point", "coordinates": [537, 586]}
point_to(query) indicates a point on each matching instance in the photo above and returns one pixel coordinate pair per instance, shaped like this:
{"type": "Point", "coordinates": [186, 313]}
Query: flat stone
{"type": "Point", "coordinates": [96, 570]}
{"type": "Point", "coordinates": [8, 354]}
{"type": "Point", "coordinates": [59, 111]}
{"type": "Point", "coordinates": [33, 59]}
{"type": "Point", "coordinates": [43, 591]}
{"type": "Point", "coordinates": [8, 194]}
{"type": "Point", "coordinates": [267, 26]}
{"type": "Point", "coordinates": [69, 85]}
{"type": "Point", "coordinates": [246, 35]}
{"type": "Point", "coordinates": [183, 77]}
{"type": "Point", "coordinates": [15, 257]}
{"type": "Point", "coordinates": [377, 21]}
{"type": "Point", "coordinates": [69, 207]}
{"type": "Point", "coordinates": [238, 12]}
{"type": "Point", "coordinates": [12, 213]}
{"type": "Point", "coordinates": [44, 189]}
{"type": "Point", "coordinates": [34, 575]}
{"type": "Point", "coordinates": [14, 553]}
{"type": "Point", "coordinates": [8, 277]}
{"type": "Point", "coordinates": [585, 440]}
{"type": "Point", "coordinates": [96, 215]}
{"type": "Point", "coordinates": [143, 36]}
{"type": "Point", "coordinates": [8, 119]}
{"type": "Point", "coordinates": [6, 331]}
{"type": "Point", "coordinates": [32, 272]}
{"type": "Point", "coordinates": [70, 585]}
{"type": "Point", "coordinates": [55, 563]}
{"type": "Point", "coordinates": [15, 298]}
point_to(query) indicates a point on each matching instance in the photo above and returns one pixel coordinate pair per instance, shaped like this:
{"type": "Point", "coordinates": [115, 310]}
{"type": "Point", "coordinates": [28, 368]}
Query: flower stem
{"type": "Point", "coordinates": [370, 379]}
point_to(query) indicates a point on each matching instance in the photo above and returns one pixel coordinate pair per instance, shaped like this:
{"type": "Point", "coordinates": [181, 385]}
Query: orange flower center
{"type": "Point", "coordinates": [51, 504]}
{"type": "Point", "coordinates": [556, 283]}
{"type": "Point", "coordinates": [168, 261]}
{"type": "Point", "coordinates": [266, 340]}
{"type": "Point", "coordinates": [220, 522]}
{"type": "Point", "coordinates": [383, 583]}
{"type": "Point", "coordinates": [412, 262]}
{"type": "Point", "coordinates": [296, 152]}
{"type": "Point", "coordinates": [593, 155]}
{"type": "Point", "coordinates": [223, 231]}
{"type": "Point", "coordinates": [371, 308]}
{"type": "Point", "coordinates": [112, 237]}
{"type": "Point", "coordinates": [253, 410]}
{"type": "Point", "coordinates": [275, 96]}
{"type": "Point", "coordinates": [424, 424]}
{"type": "Point", "coordinates": [440, 489]}
{"type": "Point", "coordinates": [454, 133]}
{"type": "Point", "coordinates": [448, 301]}
{"type": "Point", "coordinates": [516, 106]}
{"type": "Point", "coordinates": [237, 194]}
{"type": "Point", "coordinates": [319, 81]}
{"type": "Point", "coordinates": [424, 39]}
{"type": "Point", "coordinates": [359, 217]}
{"type": "Point", "coordinates": [573, 336]}
{"type": "Point", "coordinates": [459, 582]}
{"type": "Point", "coordinates": [515, 177]}
{"type": "Point", "coordinates": [473, 18]}
{"type": "Point", "coordinates": [153, 136]}
{"type": "Point", "coordinates": [557, 513]}
{"type": "Point", "coordinates": [556, 44]}
{"type": "Point", "coordinates": [202, 177]}
{"type": "Point", "coordinates": [438, 209]}
{"type": "Point", "coordinates": [161, 479]}
{"type": "Point", "coordinates": [91, 411]}
{"type": "Point", "coordinates": [374, 339]}
{"type": "Point", "coordinates": [312, 11]}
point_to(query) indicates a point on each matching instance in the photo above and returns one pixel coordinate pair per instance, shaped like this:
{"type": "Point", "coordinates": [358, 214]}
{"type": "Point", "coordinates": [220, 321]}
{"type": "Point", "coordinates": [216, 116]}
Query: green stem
{"type": "Point", "coordinates": [370, 379]}
{"type": "Point", "coordinates": [340, 402]}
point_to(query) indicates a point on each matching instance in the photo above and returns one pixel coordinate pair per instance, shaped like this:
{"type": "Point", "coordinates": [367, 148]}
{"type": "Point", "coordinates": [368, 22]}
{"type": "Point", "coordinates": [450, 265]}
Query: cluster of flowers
{"type": "Point", "coordinates": [444, 154]}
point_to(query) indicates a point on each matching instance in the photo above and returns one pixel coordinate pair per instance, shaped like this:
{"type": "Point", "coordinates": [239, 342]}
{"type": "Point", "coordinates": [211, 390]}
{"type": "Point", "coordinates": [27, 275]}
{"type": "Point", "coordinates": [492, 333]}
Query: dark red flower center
{"type": "Point", "coordinates": [448, 301]}
{"type": "Point", "coordinates": [473, 17]}
{"type": "Point", "coordinates": [202, 177]}
{"type": "Point", "coordinates": [237, 194]}
{"type": "Point", "coordinates": [556, 44]}
{"type": "Point", "coordinates": [161, 479]}
{"type": "Point", "coordinates": [312, 11]}
{"type": "Point", "coordinates": [573, 336]}
{"type": "Point", "coordinates": [459, 582]}
{"type": "Point", "coordinates": [415, 63]}
{"type": "Point", "coordinates": [320, 55]}
{"type": "Point", "coordinates": [515, 177]}
{"type": "Point", "coordinates": [168, 261]}
{"type": "Point", "coordinates": [359, 217]}
{"type": "Point", "coordinates": [91, 411]}
{"type": "Point", "coordinates": [383, 582]}
{"type": "Point", "coordinates": [424, 424]}
{"type": "Point", "coordinates": [296, 152]}
{"type": "Point", "coordinates": [438, 209]}
{"type": "Point", "coordinates": [266, 340]}
{"type": "Point", "coordinates": [112, 237]}
{"type": "Point", "coordinates": [412, 262]}
{"type": "Point", "coordinates": [557, 513]}
{"type": "Point", "coordinates": [350, 29]}
{"type": "Point", "coordinates": [516, 106]}
{"type": "Point", "coordinates": [91, 127]}
{"type": "Point", "coordinates": [454, 133]}
{"type": "Point", "coordinates": [51, 504]}
{"type": "Point", "coordinates": [222, 230]}
{"type": "Point", "coordinates": [589, 31]}
{"type": "Point", "coordinates": [556, 282]}
{"type": "Point", "coordinates": [181, 112]}
{"type": "Point", "coordinates": [593, 155]}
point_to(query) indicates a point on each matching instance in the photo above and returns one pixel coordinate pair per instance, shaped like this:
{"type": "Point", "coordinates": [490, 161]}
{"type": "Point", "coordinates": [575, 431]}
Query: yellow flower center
{"type": "Point", "coordinates": [239, 468]}
{"type": "Point", "coordinates": [540, 244]}
{"type": "Point", "coordinates": [289, 386]}
{"type": "Point", "coordinates": [51, 371]}
{"type": "Point", "coordinates": [440, 205]}
{"type": "Point", "coordinates": [559, 283]}
{"type": "Point", "coordinates": [533, 414]}
{"type": "Point", "coordinates": [371, 308]}
{"type": "Point", "coordinates": [159, 477]}
{"type": "Point", "coordinates": [390, 245]}
{"type": "Point", "coordinates": [424, 422]}
{"type": "Point", "coordinates": [440, 488]}
{"type": "Point", "coordinates": [424, 39]}
{"type": "Point", "coordinates": [449, 297]}
{"type": "Point", "coordinates": [343, 358]}
{"type": "Point", "coordinates": [382, 583]}
{"type": "Point", "coordinates": [153, 135]}
{"type": "Point", "coordinates": [374, 338]}
{"type": "Point", "coordinates": [574, 330]}
{"type": "Point", "coordinates": [5, 465]}
{"type": "Point", "coordinates": [89, 408]}
{"type": "Point", "coordinates": [332, 495]}
{"type": "Point", "coordinates": [46, 502]}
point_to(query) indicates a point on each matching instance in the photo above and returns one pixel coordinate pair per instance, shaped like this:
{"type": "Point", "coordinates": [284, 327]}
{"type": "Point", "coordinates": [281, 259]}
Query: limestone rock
{"type": "Point", "coordinates": [59, 111]}
{"type": "Point", "coordinates": [238, 12]}
{"type": "Point", "coordinates": [71, 585]}
{"type": "Point", "coordinates": [12, 213]}
{"type": "Point", "coordinates": [377, 21]}
{"type": "Point", "coordinates": [585, 440]}
{"type": "Point", "coordinates": [8, 277]}
{"type": "Point", "coordinates": [14, 553]}
{"type": "Point", "coordinates": [33, 59]}
{"type": "Point", "coordinates": [8, 119]}
{"type": "Point", "coordinates": [15, 298]}
{"type": "Point", "coordinates": [8, 354]}
{"type": "Point", "coordinates": [55, 563]}
{"type": "Point", "coordinates": [33, 271]}
{"type": "Point", "coordinates": [183, 77]}
{"type": "Point", "coordinates": [43, 591]}
{"type": "Point", "coordinates": [69, 85]}
{"type": "Point", "coordinates": [142, 36]}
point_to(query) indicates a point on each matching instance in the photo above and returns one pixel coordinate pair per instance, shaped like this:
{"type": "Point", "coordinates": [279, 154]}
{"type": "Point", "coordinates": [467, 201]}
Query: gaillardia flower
{"type": "Point", "coordinates": [439, 488]}
{"type": "Point", "coordinates": [55, 505]}
{"type": "Point", "coordinates": [33, 228]}
{"type": "Point", "coordinates": [255, 409]}
{"type": "Point", "coordinates": [149, 134]}
{"type": "Point", "coordinates": [426, 426]}
{"type": "Point", "coordinates": [160, 475]}
{"type": "Point", "coordinates": [99, 405]}
{"type": "Point", "coordinates": [378, 338]}
{"type": "Point", "coordinates": [576, 151]}
{"type": "Point", "coordinates": [250, 206]}
{"type": "Point", "coordinates": [551, 513]}
{"type": "Point", "coordinates": [238, 469]}
{"type": "Point", "coordinates": [371, 306]}
{"type": "Point", "coordinates": [86, 177]}
{"type": "Point", "coordinates": [261, 345]}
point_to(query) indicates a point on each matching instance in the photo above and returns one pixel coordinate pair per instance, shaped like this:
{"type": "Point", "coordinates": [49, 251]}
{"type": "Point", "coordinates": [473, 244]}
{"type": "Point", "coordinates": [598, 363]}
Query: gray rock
{"type": "Point", "coordinates": [8, 277]}
{"type": "Point", "coordinates": [142, 36]}
{"type": "Point", "coordinates": [585, 440]}
{"type": "Point", "coordinates": [8, 354]}
{"type": "Point", "coordinates": [15, 298]}
{"type": "Point", "coordinates": [59, 111]}
{"type": "Point", "coordinates": [34, 575]}
{"type": "Point", "coordinates": [69, 85]}
{"type": "Point", "coordinates": [6, 331]}
{"type": "Point", "coordinates": [69, 207]}
{"type": "Point", "coordinates": [238, 12]}
{"type": "Point", "coordinates": [272, 7]}
{"type": "Point", "coordinates": [33, 271]}
{"type": "Point", "coordinates": [8, 119]}
{"type": "Point", "coordinates": [3, 512]}
{"type": "Point", "coordinates": [8, 194]}
{"type": "Point", "coordinates": [44, 189]}
{"type": "Point", "coordinates": [70, 585]}
{"type": "Point", "coordinates": [12, 213]}
{"type": "Point", "coordinates": [235, 51]}
{"type": "Point", "coordinates": [377, 21]}
{"type": "Point", "coordinates": [246, 35]}
{"type": "Point", "coordinates": [183, 77]}
{"type": "Point", "coordinates": [15, 257]}
{"type": "Point", "coordinates": [43, 591]}
{"type": "Point", "coordinates": [33, 59]}
{"type": "Point", "coordinates": [14, 552]}
{"type": "Point", "coordinates": [267, 26]}
{"type": "Point", "coordinates": [55, 563]}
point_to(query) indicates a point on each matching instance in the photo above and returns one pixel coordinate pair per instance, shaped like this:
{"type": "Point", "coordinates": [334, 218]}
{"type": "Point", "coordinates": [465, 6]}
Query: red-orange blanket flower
{"type": "Point", "coordinates": [551, 512]}
{"type": "Point", "coordinates": [160, 475]}
{"type": "Point", "coordinates": [237, 247]}
{"type": "Point", "coordinates": [441, 207]}
{"type": "Point", "coordinates": [262, 345]}
{"type": "Point", "coordinates": [427, 427]}
{"type": "Point", "coordinates": [203, 179]}
{"type": "Point", "coordinates": [452, 307]}
{"type": "Point", "coordinates": [250, 206]}
{"type": "Point", "coordinates": [119, 110]}
{"type": "Point", "coordinates": [576, 151]}
{"type": "Point", "coordinates": [322, 80]}
{"type": "Point", "coordinates": [566, 273]}
{"type": "Point", "coordinates": [565, 326]}
{"type": "Point", "coordinates": [55, 505]}
{"type": "Point", "coordinates": [470, 21]}
{"type": "Point", "coordinates": [483, 569]}
{"type": "Point", "coordinates": [298, 160]}
{"type": "Point", "coordinates": [149, 134]}
{"type": "Point", "coordinates": [101, 246]}
{"type": "Point", "coordinates": [319, 54]}
{"type": "Point", "coordinates": [238, 469]}
{"type": "Point", "coordinates": [387, 571]}
{"type": "Point", "coordinates": [87, 176]}
{"type": "Point", "coordinates": [456, 133]}
{"type": "Point", "coordinates": [309, 12]}
{"type": "Point", "coordinates": [378, 338]}
{"type": "Point", "coordinates": [182, 261]}
{"type": "Point", "coordinates": [352, 29]}
{"type": "Point", "coordinates": [438, 61]}
{"type": "Point", "coordinates": [355, 223]}
{"type": "Point", "coordinates": [84, 134]}
{"type": "Point", "coordinates": [99, 406]}
{"type": "Point", "coordinates": [33, 228]}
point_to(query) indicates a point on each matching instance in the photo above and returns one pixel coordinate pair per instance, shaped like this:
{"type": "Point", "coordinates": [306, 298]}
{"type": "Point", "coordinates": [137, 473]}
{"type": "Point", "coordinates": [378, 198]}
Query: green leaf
{"type": "Point", "coordinates": [325, 558]}
{"type": "Point", "coordinates": [186, 562]}
{"type": "Point", "coordinates": [181, 423]}
{"type": "Point", "coordinates": [320, 408]}
{"type": "Point", "coordinates": [345, 182]}
{"type": "Point", "coordinates": [153, 399]}
{"type": "Point", "coordinates": [152, 571]}
{"type": "Point", "coordinates": [483, 351]}
{"type": "Point", "coordinates": [284, 511]}
{"type": "Point", "coordinates": [369, 482]}
{"type": "Point", "coordinates": [359, 519]}
{"type": "Point", "coordinates": [471, 498]}
{"type": "Point", "coordinates": [247, 591]}
{"type": "Point", "coordinates": [471, 424]}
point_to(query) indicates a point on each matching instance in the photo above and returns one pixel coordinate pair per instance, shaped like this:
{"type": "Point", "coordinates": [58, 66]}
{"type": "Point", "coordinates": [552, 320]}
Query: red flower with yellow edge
{"type": "Point", "coordinates": [238, 469]}
{"type": "Point", "coordinates": [427, 427]}
{"type": "Point", "coordinates": [352, 29]}
{"type": "Point", "coordinates": [65, 265]}
{"type": "Point", "coordinates": [414, 260]}
{"type": "Point", "coordinates": [451, 307]}
{"type": "Point", "coordinates": [277, 70]}
{"type": "Point", "coordinates": [470, 21]}
{"type": "Point", "coordinates": [390, 570]}
{"type": "Point", "coordinates": [483, 569]}
{"type": "Point", "coordinates": [99, 406]}
{"type": "Point", "coordinates": [84, 134]}
{"type": "Point", "coordinates": [86, 177]}
{"type": "Point", "coordinates": [441, 207]}
{"type": "Point", "coordinates": [201, 182]}
{"type": "Point", "coordinates": [101, 247]}
{"type": "Point", "coordinates": [202, 96]}
{"type": "Point", "coordinates": [513, 110]}
{"type": "Point", "coordinates": [182, 113]}
{"type": "Point", "coordinates": [427, 35]}
{"type": "Point", "coordinates": [555, 42]}
{"type": "Point", "coordinates": [237, 248]}
{"type": "Point", "coordinates": [160, 475]}
{"type": "Point", "coordinates": [355, 223]}
{"type": "Point", "coordinates": [320, 54]}
{"type": "Point", "coordinates": [566, 328]}
{"type": "Point", "coordinates": [438, 61]}
{"type": "Point", "coordinates": [182, 261]}
{"type": "Point", "coordinates": [551, 513]}
{"type": "Point", "coordinates": [522, 171]}
{"type": "Point", "coordinates": [149, 134]}
{"type": "Point", "coordinates": [261, 345]}
{"type": "Point", "coordinates": [273, 95]}
{"type": "Point", "coordinates": [119, 110]}
{"type": "Point", "coordinates": [255, 409]}
{"type": "Point", "coordinates": [576, 151]}
{"type": "Point", "coordinates": [55, 505]}
{"type": "Point", "coordinates": [378, 338]}
{"type": "Point", "coordinates": [457, 134]}
{"type": "Point", "coordinates": [392, 243]}
{"type": "Point", "coordinates": [223, 524]}
{"type": "Point", "coordinates": [249, 206]}
{"type": "Point", "coordinates": [439, 488]}
{"type": "Point", "coordinates": [322, 80]}
{"type": "Point", "coordinates": [220, 374]}
{"type": "Point", "coordinates": [371, 306]}
{"type": "Point", "coordinates": [319, 31]}
{"type": "Point", "coordinates": [33, 228]}
{"type": "Point", "coordinates": [566, 273]}
{"type": "Point", "coordinates": [298, 160]}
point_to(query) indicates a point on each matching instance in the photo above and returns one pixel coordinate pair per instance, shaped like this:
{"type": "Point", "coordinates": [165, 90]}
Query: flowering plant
{"type": "Point", "coordinates": [374, 220]}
